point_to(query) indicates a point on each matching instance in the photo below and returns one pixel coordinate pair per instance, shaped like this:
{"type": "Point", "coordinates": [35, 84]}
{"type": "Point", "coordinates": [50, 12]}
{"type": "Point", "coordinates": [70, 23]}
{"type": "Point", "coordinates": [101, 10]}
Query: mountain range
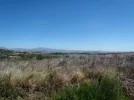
{"type": "Point", "coordinates": [41, 49]}
{"type": "Point", "coordinates": [49, 50]}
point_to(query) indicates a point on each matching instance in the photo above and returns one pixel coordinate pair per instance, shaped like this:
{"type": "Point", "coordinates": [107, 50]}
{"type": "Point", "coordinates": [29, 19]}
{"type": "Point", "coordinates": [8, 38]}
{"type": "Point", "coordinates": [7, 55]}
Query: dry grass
{"type": "Point", "coordinates": [38, 79]}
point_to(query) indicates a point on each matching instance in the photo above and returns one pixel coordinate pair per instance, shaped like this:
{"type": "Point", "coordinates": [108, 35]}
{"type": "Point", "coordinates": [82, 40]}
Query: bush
{"type": "Point", "coordinates": [3, 57]}
{"type": "Point", "coordinates": [7, 91]}
{"type": "Point", "coordinates": [109, 89]}
{"type": "Point", "coordinates": [40, 57]}
{"type": "Point", "coordinates": [45, 56]}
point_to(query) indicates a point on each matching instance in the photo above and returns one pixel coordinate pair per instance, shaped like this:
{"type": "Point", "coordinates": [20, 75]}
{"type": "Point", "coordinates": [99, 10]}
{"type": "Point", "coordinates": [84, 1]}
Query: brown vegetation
{"type": "Point", "coordinates": [37, 80]}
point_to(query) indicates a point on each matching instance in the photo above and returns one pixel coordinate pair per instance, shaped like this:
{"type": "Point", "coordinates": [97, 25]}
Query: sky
{"type": "Point", "coordinates": [106, 25]}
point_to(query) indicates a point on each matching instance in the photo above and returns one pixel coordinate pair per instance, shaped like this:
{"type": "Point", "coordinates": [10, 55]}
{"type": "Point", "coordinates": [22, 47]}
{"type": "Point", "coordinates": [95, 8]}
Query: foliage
{"type": "Point", "coordinates": [4, 54]}
{"type": "Point", "coordinates": [4, 51]}
{"type": "Point", "coordinates": [109, 89]}
{"type": "Point", "coordinates": [45, 56]}
{"type": "Point", "coordinates": [63, 76]}
{"type": "Point", "coordinates": [3, 57]}
{"type": "Point", "coordinates": [7, 91]}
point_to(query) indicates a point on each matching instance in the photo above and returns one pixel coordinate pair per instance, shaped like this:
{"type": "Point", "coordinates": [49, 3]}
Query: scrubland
{"type": "Point", "coordinates": [93, 77]}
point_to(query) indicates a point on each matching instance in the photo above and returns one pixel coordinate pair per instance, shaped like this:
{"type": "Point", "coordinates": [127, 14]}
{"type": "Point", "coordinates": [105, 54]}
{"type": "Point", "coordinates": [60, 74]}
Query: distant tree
{"type": "Point", "coordinates": [39, 57]}
{"type": "Point", "coordinates": [22, 55]}
{"type": "Point", "coordinates": [3, 57]}
{"type": "Point", "coordinates": [4, 51]}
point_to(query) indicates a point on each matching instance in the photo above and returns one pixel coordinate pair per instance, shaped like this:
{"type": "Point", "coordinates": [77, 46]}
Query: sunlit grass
{"type": "Point", "coordinates": [48, 79]}
{"type": "Point", "coordinates": [26, 83]}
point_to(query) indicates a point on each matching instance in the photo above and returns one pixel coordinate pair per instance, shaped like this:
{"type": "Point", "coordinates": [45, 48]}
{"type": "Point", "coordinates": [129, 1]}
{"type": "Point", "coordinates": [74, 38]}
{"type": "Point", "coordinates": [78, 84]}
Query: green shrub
{"type": "Point", "coordinates": [5, 51]}
{"type": "Point", "coordinates": [45, 56]}
{"type": "Point", "coordinates": [9, 92]}
{"type": "Point", "coordinates": [3, 57]}
{"type": "Point", "coordinates": [109, 89]}
{"type": "Point", "coordinates": [40, 57]}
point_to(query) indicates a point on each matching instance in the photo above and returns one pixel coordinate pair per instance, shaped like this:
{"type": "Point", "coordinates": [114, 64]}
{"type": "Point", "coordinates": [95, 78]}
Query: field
{"type": "Point", "coordinates": [92, 77]}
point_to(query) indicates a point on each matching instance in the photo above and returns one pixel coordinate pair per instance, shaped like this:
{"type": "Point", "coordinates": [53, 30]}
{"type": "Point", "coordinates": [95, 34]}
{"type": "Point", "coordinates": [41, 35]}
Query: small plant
{"type": "Point", "coordinates": [109, 89]}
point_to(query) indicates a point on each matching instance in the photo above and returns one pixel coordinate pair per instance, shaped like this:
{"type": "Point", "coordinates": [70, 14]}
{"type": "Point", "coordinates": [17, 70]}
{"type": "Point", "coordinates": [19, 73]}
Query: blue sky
{"type": "Point", "coordinates": [68, 24]}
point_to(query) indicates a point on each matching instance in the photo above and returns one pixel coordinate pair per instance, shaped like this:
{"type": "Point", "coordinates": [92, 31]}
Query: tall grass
{"type": "Point", "coordinates": [8, 91]}
{"type": "Point", "coordinates": [29, 84]}
{"type": "Point", "coordinates": [109, 89]}
{"type": "Point", "coordinates": [75, 76]}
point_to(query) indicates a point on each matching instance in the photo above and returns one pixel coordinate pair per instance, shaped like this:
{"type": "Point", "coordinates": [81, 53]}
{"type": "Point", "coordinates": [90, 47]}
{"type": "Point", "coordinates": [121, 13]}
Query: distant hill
{"type": "Point", "coordinates": [41, 49]}
{"type": "Point", "coordinates": [49, 50]}
{"type": "Point", "coordinates": [3, 48]}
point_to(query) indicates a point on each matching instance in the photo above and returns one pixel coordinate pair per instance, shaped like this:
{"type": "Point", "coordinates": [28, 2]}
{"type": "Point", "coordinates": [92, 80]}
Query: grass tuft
{"type": "Point", "coordinates": [109, 89]}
